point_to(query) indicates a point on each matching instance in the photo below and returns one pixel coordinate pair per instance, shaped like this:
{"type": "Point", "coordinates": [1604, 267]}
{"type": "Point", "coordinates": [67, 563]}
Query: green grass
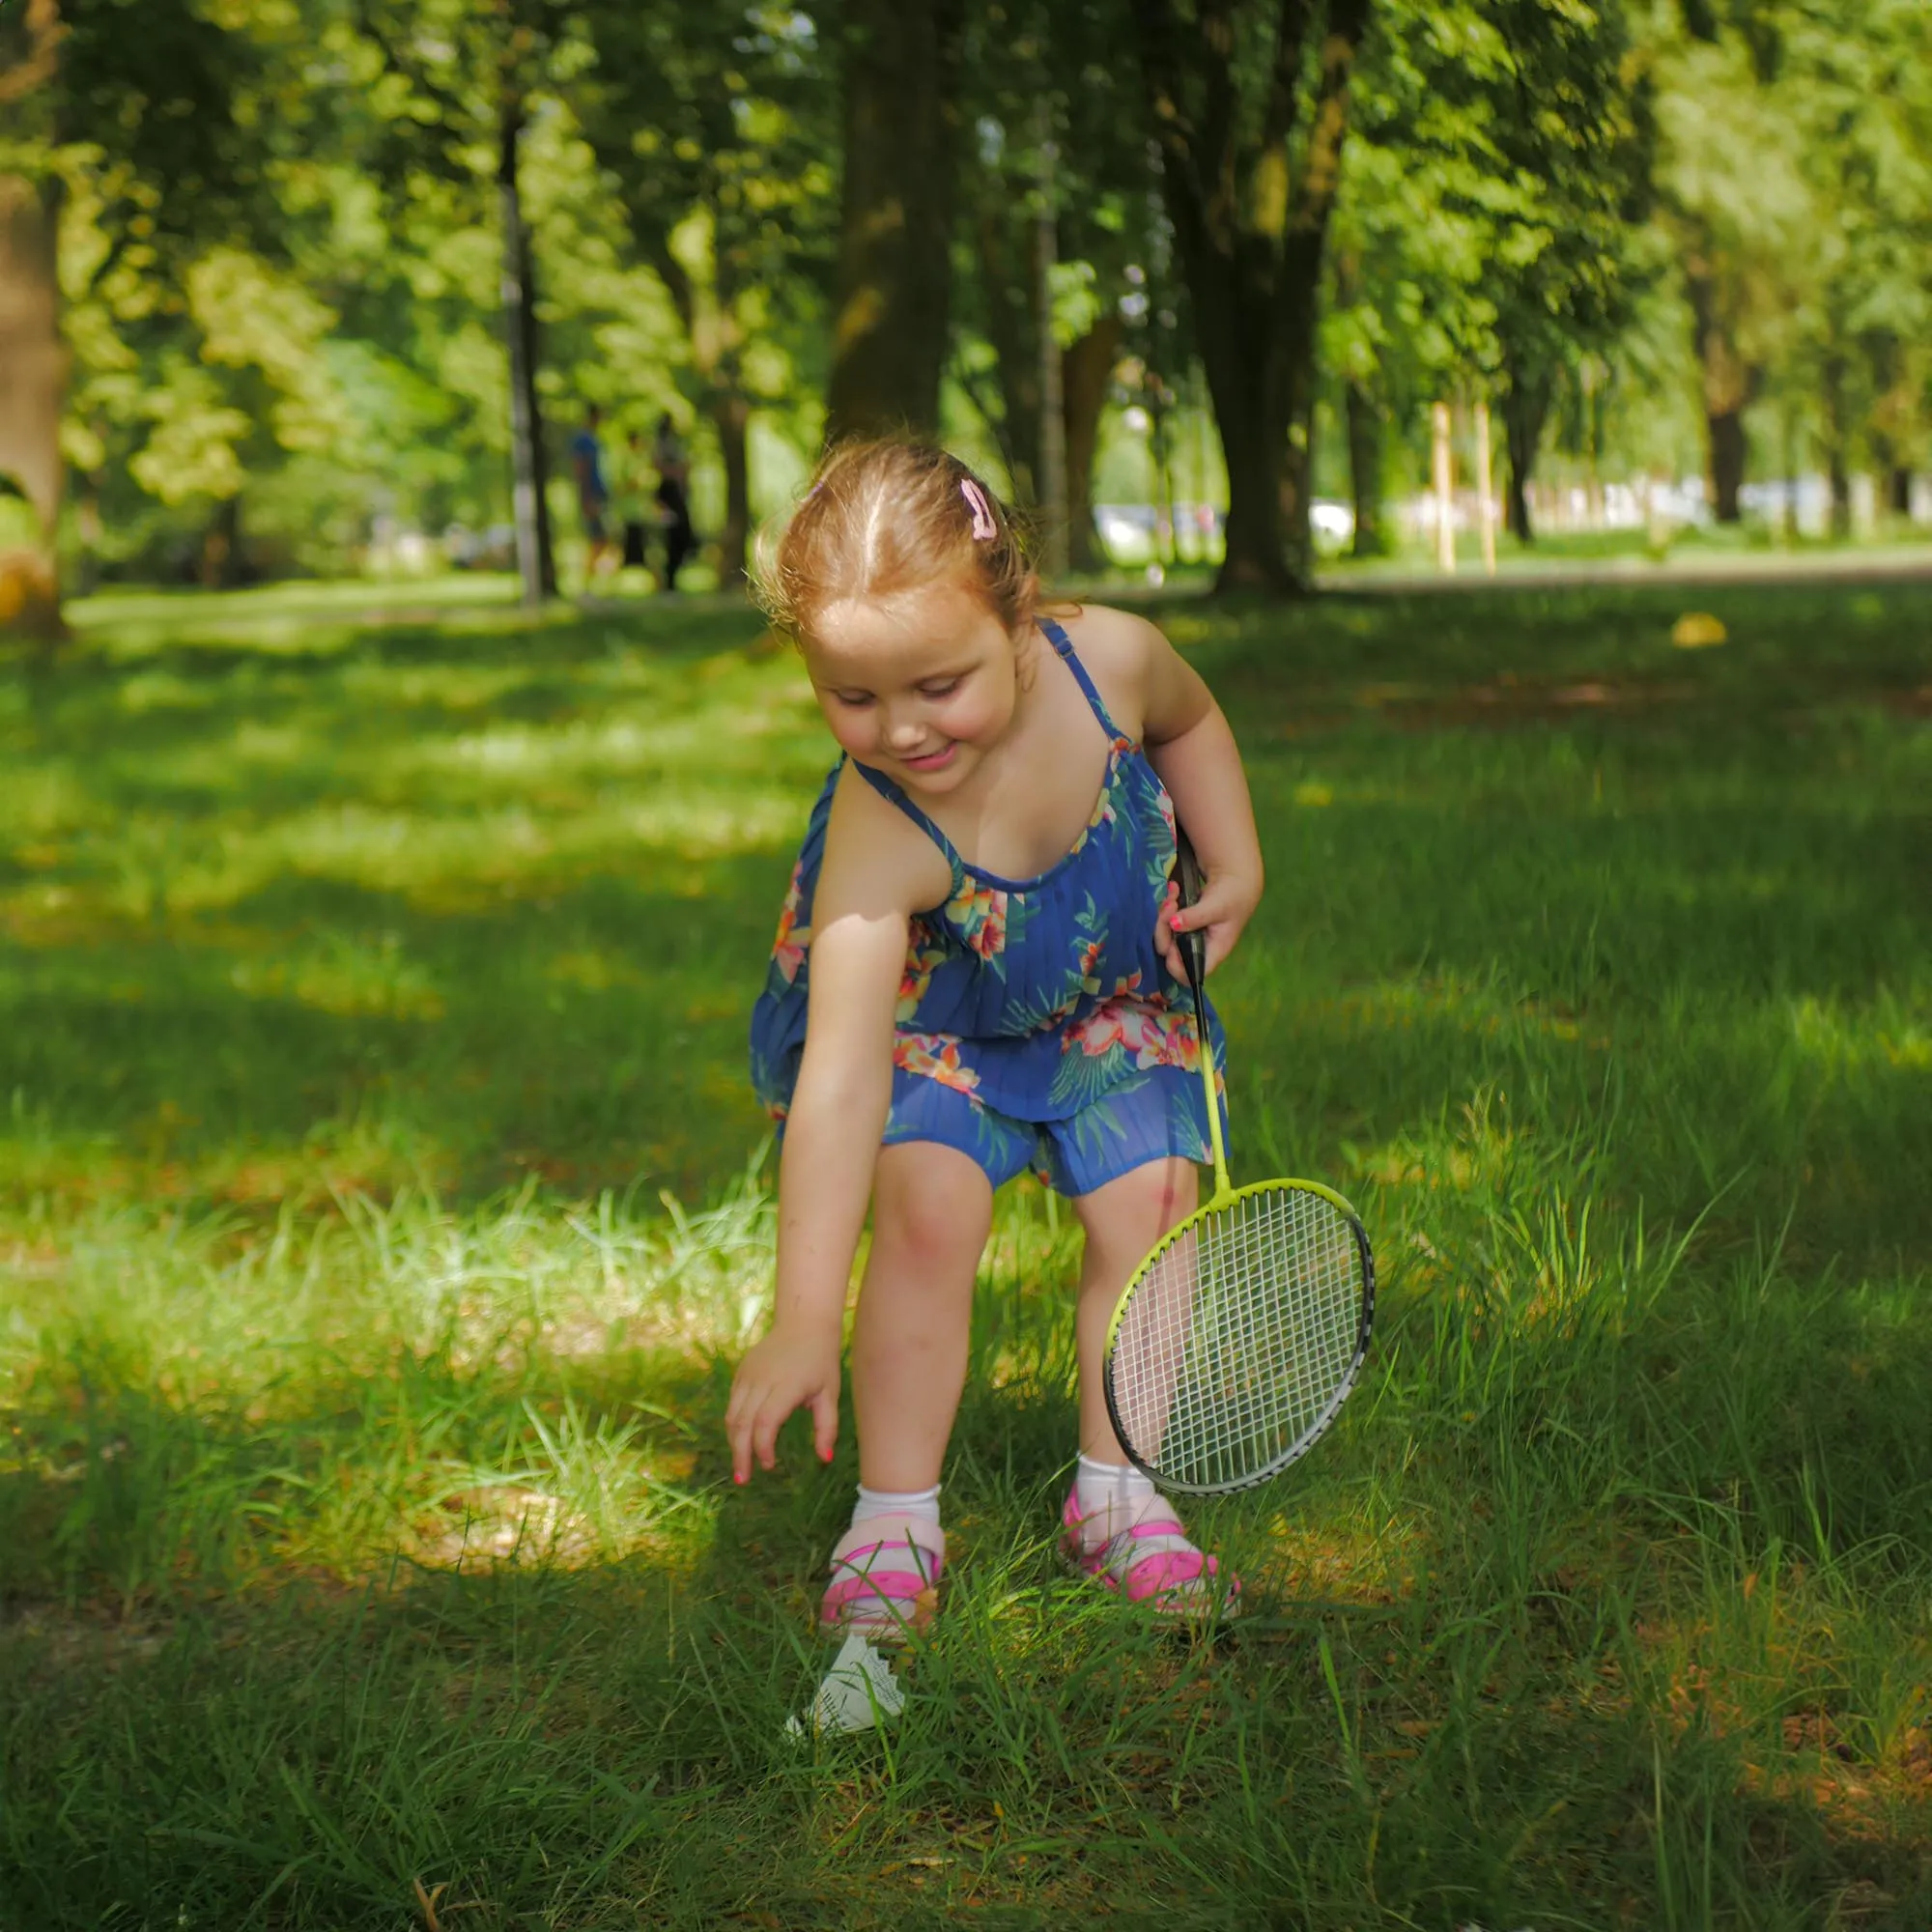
{"type": "Point", "coordinates": [381, 1209]}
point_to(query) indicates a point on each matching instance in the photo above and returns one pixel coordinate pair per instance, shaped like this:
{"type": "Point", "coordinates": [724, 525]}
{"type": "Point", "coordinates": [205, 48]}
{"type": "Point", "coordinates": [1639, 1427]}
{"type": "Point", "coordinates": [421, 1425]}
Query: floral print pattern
{"type": "Point", "coordinates": [936, 1058]}
{"type": "Point", "coordinates": [1034, 997]}
{"type": "Point", "coordinates": [788, 948]}
{"type": "Point", "coordinates": [978, 914]}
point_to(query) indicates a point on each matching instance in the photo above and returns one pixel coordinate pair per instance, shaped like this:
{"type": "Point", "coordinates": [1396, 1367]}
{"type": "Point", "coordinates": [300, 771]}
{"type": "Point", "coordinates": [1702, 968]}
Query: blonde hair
{"type": "Point", "coordinates": [885, 517]}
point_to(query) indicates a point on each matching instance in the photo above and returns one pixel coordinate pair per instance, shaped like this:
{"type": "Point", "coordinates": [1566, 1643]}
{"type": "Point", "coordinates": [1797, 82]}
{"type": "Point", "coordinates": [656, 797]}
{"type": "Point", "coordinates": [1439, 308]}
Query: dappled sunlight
{"type": "Point", "coordinates": [383, 1205]}
{"type": "Point", "coordinates": [1794, 1666]}
{"type": "Point", "coordinates": [381, 1379]}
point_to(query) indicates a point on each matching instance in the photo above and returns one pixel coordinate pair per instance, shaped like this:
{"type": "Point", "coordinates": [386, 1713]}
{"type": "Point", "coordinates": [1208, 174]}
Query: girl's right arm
{"type": "Point", "coordinates": [872, 876]}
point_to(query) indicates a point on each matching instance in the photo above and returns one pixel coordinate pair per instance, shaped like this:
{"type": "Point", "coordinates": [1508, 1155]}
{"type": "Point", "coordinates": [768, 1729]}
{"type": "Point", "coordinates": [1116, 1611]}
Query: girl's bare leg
{"type": "Point", "coordinates": [932, 1209]}
{"type": "Point", "coordinates": [1123, 1220]}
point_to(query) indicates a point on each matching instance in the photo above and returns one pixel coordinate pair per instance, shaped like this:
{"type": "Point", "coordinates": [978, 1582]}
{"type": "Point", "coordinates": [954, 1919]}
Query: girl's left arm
{"type": "Point", "coordinates": [1190, 745]}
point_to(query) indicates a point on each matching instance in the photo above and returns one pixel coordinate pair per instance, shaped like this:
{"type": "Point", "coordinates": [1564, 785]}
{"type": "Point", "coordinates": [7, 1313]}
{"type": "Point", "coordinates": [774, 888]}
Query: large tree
{"type": "Point", "coordinates": [1737, 212]}
{"type": "Point", "coordinates": [706, 119]}
{"type": "Point", "coordinates": [1250, 113]}
{"type": "Point", "coordinates": [900, 142]}
{"type": "Point", "coordinates": [1058, 210]}
{"type": "Point", "coordinates": [472, 75]}
{"type": "Point", "coordinates": [1485, 239]}
{"type": "Point", "coordinates": [33, 358]}
{"type": "Point", "coordinates": [1572, 132]}
{"type": "Point", "coordinates": [147, 124]}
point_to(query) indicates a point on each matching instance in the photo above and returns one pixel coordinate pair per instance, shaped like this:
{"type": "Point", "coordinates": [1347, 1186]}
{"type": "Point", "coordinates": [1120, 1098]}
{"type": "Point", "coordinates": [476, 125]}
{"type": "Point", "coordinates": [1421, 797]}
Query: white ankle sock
{"type": "Point", "coordinates": [1114, 1496]}
{"type": "Point", "coordinates": [921, 1503]}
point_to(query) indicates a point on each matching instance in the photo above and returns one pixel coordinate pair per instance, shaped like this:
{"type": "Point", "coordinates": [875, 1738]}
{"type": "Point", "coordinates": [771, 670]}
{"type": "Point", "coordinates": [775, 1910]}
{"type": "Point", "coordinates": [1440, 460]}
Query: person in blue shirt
{"type": "Point", "coordinates": [593, 493]}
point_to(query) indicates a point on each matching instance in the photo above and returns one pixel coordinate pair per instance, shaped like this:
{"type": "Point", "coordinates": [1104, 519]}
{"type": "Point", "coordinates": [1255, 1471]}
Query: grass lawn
{"type": "Point", "coordinates": [381, 1209]}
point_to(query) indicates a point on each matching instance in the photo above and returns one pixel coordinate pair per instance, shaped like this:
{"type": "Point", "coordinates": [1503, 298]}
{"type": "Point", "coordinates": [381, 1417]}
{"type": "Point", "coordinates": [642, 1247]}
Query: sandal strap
{"type": "Point", "coordinates": [1151, 1556]}
{"type": "Point", "coordinates": [919, 1538]}
{"type": "Point", "coordinates": [885, 1565]}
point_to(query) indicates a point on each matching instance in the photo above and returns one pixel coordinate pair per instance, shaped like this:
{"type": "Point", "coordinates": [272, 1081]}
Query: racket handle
{"type": "Point", "coordinates": [1193, 943]}
{"type": "Point", "coordinates": [1194, 955]}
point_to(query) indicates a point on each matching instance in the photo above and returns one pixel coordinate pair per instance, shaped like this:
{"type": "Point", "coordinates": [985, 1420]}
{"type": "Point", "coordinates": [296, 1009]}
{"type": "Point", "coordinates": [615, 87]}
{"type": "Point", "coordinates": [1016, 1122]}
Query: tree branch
{"type": "Point", "coordinates": [1328, 128]}
{"type": "Point", "coordinates": [1284, 101]}
{"type": "Point", "coordinates": [36, 66]}
{"type": "Point", "coordinates": [450, 109]}
{"type": "Point", "coordinates": [1162, 66]}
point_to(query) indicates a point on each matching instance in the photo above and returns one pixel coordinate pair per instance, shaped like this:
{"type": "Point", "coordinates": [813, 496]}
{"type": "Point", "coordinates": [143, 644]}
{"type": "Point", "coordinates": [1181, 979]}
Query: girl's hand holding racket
{"type": "Point", "coordinates": [1226, 904]}
{"type": "Point", "coordinates": [796, 1366]}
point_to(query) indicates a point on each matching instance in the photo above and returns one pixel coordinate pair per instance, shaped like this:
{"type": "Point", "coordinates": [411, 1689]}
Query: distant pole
{"type": "Point", "coordinates": [536, 562]}
{"type": "Point", "coordinates": [1445, 502]}
{"type": "Point", "coordinates": [1052, 480]}
{"type": "Point", "coordinates": [1489, 511]}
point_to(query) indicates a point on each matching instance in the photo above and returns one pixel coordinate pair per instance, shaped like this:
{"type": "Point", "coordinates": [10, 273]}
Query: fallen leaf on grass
{"type": "Point", "coordinates": [1697, 630]}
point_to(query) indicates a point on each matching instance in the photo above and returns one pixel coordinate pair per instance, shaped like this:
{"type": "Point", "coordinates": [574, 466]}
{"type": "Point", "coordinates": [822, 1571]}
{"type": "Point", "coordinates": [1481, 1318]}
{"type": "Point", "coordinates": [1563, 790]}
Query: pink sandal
{"type": "Point", "coordinates": [885, 1579]}
{"type": "Point", "coordinates": [1168, 1582]}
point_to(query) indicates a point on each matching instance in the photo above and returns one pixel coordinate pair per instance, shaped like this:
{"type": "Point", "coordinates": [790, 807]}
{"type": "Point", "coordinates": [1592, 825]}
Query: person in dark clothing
{"type": "Point", "coordinates": [673, 469]}
{"type": "Point", "coordinates": [633, 501]}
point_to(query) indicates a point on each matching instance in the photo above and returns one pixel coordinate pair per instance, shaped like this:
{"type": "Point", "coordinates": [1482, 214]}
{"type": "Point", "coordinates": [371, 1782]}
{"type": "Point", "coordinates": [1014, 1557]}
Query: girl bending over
{"type": "Point", "coordinates": [976, 974]}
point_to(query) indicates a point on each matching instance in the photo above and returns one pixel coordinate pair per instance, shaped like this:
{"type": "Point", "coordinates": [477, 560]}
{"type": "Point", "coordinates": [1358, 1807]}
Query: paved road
{"type": "Point", "coordinates": [1694, 570]}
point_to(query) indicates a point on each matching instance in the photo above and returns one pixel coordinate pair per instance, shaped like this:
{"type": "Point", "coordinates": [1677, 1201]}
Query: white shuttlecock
{"type": "Point", "coordinates": [858, 1690]}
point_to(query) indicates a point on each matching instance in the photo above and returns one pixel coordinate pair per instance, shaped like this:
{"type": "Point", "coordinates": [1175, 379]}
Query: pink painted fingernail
{"type": "Point", "coordinates": [736, 1478]}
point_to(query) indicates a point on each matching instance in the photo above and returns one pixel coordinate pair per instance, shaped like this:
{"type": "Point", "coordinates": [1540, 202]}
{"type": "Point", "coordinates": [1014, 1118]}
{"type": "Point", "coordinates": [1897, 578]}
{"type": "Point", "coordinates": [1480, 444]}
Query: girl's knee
{"type": "Point", "coordinates": [1131, 1213]}
{"type": "Point", "coordinates": [933, 1202]}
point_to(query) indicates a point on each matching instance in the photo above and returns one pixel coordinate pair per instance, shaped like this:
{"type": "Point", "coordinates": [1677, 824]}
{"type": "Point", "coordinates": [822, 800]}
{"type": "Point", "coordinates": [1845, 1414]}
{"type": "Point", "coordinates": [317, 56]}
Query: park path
{"type": "Point", "coordinates": [1698, 570]}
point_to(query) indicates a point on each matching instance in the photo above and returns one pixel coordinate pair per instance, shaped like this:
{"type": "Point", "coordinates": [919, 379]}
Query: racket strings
{"type": "Point", "coordinates": [1241, 1339]}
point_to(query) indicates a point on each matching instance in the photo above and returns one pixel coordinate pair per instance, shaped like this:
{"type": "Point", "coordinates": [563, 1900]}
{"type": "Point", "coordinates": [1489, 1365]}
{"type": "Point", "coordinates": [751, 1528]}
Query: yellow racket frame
{"type": "Point", "coordinates": [1225, 1195]}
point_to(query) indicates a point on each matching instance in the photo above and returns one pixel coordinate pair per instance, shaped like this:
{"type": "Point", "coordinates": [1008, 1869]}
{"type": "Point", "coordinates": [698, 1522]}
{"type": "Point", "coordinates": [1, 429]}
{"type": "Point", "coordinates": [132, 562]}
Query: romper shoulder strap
{"type": "Point", "coordinates": [892, 795]}
{"type": "Point", "coordinates": [1063, 645]}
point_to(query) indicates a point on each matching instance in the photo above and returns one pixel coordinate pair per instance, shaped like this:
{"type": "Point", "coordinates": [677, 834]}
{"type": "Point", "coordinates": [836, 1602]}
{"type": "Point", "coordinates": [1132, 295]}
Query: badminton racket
{"type": "Point", "coordinates": [1236, 1342]}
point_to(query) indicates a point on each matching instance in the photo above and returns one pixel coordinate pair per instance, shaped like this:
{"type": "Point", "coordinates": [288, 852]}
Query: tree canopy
{"type": "Point", "coordinates": [277, 276]}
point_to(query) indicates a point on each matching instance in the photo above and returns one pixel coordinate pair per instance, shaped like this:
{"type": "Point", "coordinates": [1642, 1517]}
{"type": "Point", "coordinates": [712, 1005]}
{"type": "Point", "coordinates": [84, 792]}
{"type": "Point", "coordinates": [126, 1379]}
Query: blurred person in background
{"type": "Point", "coordinates": [633, 502]}
{"type": "Point", "coordinates": [674, 467]}
{"type": "Point", "coordinates": [593, 493]}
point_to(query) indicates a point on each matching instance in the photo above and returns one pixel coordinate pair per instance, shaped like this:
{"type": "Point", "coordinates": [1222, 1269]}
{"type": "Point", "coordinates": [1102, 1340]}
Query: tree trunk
{"type": "Point", "coordinates": [895, 262]}
{"type": "Point", "coordinates": [1007, 279]}
{"type": "Point", "coordinates": [1087, 368]}
{"type": "Point", "coordinates": [1731, 382]}
{"type": "Point", "coordinates": [1899, 486]}
{"type": "Point", "coordinates": [1250, 228]}
{"type": "Point", "coordinates": [1241, 355]}
{"type": "Point", "coordinates": [1525, 405]}
{"type": "Point", "coordinates": [536, 562]}
{"type": "Point", "coordinates": [1365, 469]}
{"type": "Point", "coordinates": [1730, 457]}
{"type": "Point", "coordinates": [221, 565]}
{"type": "Point", "coordinates": [33, 392]}
{"type": "Point", "coordinates": [1833, 387]}
{"type": "Point", "coordinates": [1050, 478]}
{"type": "Point", "coordinates": [1298, 483]}
{"type": "Point", "coordinates": [730, 418]}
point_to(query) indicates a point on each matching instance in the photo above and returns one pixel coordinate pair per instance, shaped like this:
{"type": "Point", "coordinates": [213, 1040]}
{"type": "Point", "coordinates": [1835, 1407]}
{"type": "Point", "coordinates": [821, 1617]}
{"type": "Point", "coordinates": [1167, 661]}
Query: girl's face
{"type": "Point", "coordinates": [920, 688]}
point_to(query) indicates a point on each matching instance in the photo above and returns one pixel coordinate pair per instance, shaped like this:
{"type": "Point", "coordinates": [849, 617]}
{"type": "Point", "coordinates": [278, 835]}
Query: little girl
{"type": "Point", "coordinates": [976, 973]}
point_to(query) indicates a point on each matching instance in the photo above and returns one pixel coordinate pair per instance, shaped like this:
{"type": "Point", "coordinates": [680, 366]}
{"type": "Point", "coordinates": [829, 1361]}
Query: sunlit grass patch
{"type": "Point", "coordinates": [328, 1392]}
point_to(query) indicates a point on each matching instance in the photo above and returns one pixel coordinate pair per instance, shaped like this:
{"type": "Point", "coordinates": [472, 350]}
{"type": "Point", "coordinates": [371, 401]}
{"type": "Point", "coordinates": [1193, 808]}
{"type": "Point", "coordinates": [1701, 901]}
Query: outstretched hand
{"type": "Point", "coordinates": [1226, 904]}
{"type": "Point", "coordinates": [795, 1366]}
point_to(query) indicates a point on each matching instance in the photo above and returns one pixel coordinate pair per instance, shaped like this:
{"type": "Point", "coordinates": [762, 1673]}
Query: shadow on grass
{"type": "Point", "coordinates": [605, 1746]}
{"type": "Point", "coordinates": [1491, 1670]}
{"type": "Point", "coordinates": [1603, 1606]}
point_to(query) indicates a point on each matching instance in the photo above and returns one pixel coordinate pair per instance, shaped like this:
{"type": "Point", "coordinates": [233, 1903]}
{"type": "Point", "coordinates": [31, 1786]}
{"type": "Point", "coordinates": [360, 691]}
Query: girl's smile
{"type": "Point", "coordinates": [933, 761]}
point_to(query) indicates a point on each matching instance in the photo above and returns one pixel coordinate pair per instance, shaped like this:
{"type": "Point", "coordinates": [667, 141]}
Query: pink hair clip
{"type": "Point", "coordinates": [985, 529]}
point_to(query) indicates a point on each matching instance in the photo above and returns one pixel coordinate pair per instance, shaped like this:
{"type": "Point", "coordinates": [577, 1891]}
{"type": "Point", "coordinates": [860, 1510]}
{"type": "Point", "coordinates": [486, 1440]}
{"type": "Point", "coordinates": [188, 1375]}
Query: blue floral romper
{"type": "Point", "coordinates": [1037, 1025]}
